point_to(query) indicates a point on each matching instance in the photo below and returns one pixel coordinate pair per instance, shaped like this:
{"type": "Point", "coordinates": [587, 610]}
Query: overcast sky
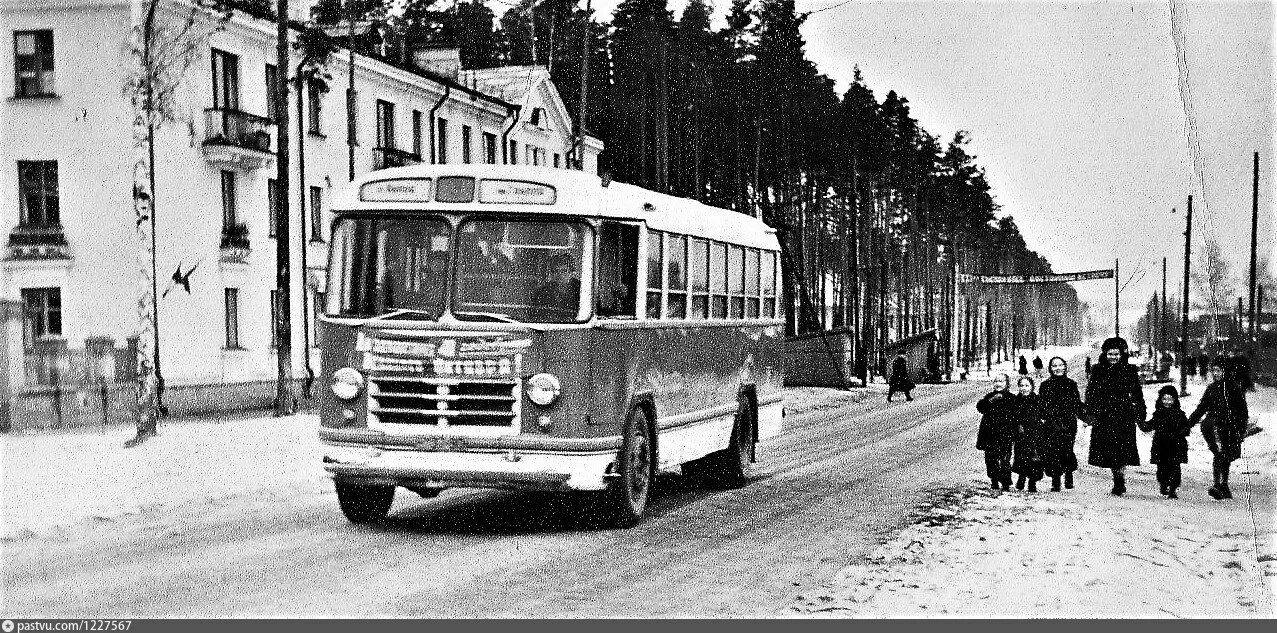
{"type": "Point", "coordinates": [1075, 111]}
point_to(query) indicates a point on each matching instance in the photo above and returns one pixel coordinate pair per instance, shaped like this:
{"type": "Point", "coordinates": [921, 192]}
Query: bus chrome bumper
{"type": "Point", "coordinates": [508, 469]}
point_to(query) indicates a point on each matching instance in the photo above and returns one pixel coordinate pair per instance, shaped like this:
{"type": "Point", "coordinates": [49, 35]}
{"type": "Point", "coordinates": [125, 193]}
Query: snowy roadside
{"type": "Point", "coordinates": [54, 481]}
{"type": "Point", "coordinates": [1081, 552]}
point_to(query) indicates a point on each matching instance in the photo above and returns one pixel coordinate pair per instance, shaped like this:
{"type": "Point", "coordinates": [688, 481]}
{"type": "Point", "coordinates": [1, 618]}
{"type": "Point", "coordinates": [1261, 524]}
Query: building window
{"type": "Point", "coordinates": [385, 124]}
{"type": "Point", "coordinates": [272, 207]}
{"type": "Point", "coordinates": [556, 160]}
{"type": "Point", "coordinates": [466, 134]}
{"type": "Point", "coordinates": [38, 193]}
{"type": "Point", "coordinates": [489, 148]}
{"type": "Point", "coordinates": [443, 142]}
{"type": "Point", "coordinates": [514, 152]}
{"type": "Point", "coordinates": [33, 63]}
{"type": "Point", "coordinates": [272, 104]}
{"type": "Point", "coordinates": [232, 318]}
{"type": "Point", "coordinates": [41, 314]}
{"type": "Point", "coordinates": [416, 132]}
{"type": "Point", "coordinates": [316, 214]}
{"type": "Point", "coordinates": [230, 215]}
{"type": "Point", "coordinates": [314, 106]}
{"type": "Point", "coordinates": [225, 80]}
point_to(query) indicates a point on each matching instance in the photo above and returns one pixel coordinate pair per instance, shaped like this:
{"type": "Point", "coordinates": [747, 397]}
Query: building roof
{"type": "Point", "coordinates": [511, 83]}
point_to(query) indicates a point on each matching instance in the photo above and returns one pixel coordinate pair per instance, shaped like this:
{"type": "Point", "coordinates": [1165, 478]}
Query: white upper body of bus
{"type": "Point", "coordinates": [512, 189]}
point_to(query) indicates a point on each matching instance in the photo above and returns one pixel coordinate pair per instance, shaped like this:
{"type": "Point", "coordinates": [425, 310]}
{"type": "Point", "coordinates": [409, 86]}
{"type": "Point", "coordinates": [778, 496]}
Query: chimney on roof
{"type": "Point", "coordinates": [445, 61]}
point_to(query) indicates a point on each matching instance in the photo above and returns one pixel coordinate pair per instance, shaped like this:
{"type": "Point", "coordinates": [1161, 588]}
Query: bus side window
{"type": "Point", "coordinates": [616, 292]}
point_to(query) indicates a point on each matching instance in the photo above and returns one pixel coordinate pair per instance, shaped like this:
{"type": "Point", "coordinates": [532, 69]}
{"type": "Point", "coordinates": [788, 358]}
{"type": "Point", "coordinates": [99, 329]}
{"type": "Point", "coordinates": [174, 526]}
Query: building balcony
{"type": "Point", "coordinates": [237, 140]}
{"type": "Point", "coordinates": [386, 157]}
{"type": "Point", "coordinates": [43, 241]}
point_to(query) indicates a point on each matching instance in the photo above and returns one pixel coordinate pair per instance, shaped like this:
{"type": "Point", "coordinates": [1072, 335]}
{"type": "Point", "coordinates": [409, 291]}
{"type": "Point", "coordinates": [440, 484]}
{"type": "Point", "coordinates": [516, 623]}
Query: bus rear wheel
{"type": "Point", "coordinates": [626, 498]}
{"type": "Point", "coordinates": [729, 468]}
{"type": "Point", "coordinates": [365, 504]}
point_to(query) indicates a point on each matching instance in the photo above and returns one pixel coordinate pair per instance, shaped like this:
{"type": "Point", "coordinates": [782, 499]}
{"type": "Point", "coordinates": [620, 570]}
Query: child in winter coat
{"type": "Point", "coordinates": [997, 432]}
{"type": "Point", "coordinates": [1028, 437]}
{"type": "Point", "coordinates": [1170, 428]}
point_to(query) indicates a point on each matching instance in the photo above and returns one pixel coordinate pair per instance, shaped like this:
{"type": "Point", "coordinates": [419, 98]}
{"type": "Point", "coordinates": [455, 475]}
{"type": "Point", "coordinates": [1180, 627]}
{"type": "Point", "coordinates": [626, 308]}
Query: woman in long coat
{"type": "Point", "coordinates": [1114, 405]}
{"type": "Point", "coordinates": [1028, 437]}
{"type": "Point", "coordinates": [1061, 409]}
{"type": "Point", "coordinates": [997, 432]}
{"type": "Point", "coordinates": [1224, 417]}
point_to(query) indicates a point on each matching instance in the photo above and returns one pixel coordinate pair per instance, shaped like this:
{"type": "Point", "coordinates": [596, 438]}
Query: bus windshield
{"type": "Point", "coordinates": [526, 271]}
{"type": "Point", "coordinates": [383, 265]}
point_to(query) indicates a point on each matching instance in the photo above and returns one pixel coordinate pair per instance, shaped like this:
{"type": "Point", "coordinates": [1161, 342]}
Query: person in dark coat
{"type": "Point", "coordinates": [1241, 369]}
{"type": "Point", "coordinates": [899, 380]}
{"type": "Point", "coordinates": [1170, 447]}
{"type": "Point", "coordinates": [1223, 415]}
{"type": "Point", "coordinates": [1061, 409]}
{"type": "Point", "coordinates": [1037, 365]}
{"type": "Point", "coordinates": [1203, 366]}
{"type": "Point", "coordinates": [1190, 365]}
{"type": "Point", "coordinates": [996, 436]}
{"type": "Point", "coordinates": [1114, 406]}
{"type": "Point", "coordinates": [1024, 366]}
{"type": "Point", "coordinates": [1088, 366]}
{"type": "Point", "coordinates": [1028, 436]}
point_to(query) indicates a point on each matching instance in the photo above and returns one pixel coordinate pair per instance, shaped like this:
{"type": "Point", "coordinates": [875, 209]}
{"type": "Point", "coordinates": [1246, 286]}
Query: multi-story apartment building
{"type": "Point", "coordinates": [69, 275]}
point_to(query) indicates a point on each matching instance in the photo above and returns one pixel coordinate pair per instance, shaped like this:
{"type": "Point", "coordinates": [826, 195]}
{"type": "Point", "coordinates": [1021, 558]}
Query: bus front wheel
{"type": "Point", "coordinates": [628, 494]}
{"type": "Point", "coordinates": [364, 504]}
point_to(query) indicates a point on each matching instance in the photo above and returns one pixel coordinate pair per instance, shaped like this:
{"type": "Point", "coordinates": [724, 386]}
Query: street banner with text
{"type": "Point", "coordinates": [1035, 279]}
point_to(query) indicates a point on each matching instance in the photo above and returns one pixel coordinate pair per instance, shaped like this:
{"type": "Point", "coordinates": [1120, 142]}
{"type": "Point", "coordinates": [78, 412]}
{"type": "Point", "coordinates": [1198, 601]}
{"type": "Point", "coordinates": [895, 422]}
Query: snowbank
{"type": "Point", "coordinates": [60, 480]}
{"type": "Point", "coordinates": [1081, 552]}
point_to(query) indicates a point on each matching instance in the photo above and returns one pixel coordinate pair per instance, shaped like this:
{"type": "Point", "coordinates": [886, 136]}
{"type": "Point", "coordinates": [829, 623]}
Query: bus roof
{"type": "Point", "coordinates": [577, 193]}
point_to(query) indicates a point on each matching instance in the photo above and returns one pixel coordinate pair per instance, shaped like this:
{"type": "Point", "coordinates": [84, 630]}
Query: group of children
{"type": "Point", "coordinates": [1032, 434]}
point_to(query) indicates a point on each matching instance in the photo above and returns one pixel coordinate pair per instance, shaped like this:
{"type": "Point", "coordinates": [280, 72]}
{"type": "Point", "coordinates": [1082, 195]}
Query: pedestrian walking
{"type": "Point", "coordinates": [1190, 365]}
{"type": "Point", "coordinates": [1170, 428]}
{"type": "Point", "coordinates": [1037, 365]}
{"type": "Point", "coordinates": [1164, 364]}
{"type": "Point", "coordinates": [1061, 409]}
{"type": "Point", "coordinates": [899, 380]}
{"type": "Point", "coordinates": [1024, 367]}
{"type": "Point", "coordinates": [1114, 405]}
{"type": "Point", "coordinates": [996, 436]}
{"type": "Point", "coordinates": [1088, 366]}
{"type": "Point", "coordinates": [1223, 415]}
{"type": "Point", "coordinates": [1027, 462]}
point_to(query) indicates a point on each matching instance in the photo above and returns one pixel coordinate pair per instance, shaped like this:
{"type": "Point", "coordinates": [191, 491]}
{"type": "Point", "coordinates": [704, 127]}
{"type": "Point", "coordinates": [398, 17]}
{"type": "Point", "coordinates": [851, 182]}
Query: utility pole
{"type": "Point", "coordinates": [1117, 299]}
{"type": "Point", "coordinates": [282, 305]}
{"type": "Point", "coordinates": [1183, 324]}
{"type": "Point", "coordinates": [1254, 233]}
{"type": "Point", "coordinates": [585, 91]}
{"type": "Point", "coordinates": [1161, 312]}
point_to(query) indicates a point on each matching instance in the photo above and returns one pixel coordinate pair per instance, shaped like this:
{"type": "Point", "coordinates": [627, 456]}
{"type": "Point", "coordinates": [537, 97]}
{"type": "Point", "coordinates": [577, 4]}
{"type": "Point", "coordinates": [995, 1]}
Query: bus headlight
{"type": "Point", "coordinates": [543, 389]}
{"type": "Point", "coordinates": [347, 383]}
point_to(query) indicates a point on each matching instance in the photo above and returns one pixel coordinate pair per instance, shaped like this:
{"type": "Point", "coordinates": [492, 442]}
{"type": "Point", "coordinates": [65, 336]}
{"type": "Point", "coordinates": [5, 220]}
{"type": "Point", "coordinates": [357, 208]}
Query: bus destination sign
{"type": "Point", "coordinates": [494, 191]}
{"type": "Point", "coordinates": [396, 190]}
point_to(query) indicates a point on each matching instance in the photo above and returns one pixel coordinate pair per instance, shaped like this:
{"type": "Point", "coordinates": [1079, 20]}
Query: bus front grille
{"type": "Point", "coordinates": [444, 402]}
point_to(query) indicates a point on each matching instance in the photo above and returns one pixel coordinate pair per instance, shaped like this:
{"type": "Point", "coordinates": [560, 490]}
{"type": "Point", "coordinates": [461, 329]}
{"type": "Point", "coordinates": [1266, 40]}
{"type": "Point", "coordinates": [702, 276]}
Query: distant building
{"type": "Point", "coordinates": [69, 273]}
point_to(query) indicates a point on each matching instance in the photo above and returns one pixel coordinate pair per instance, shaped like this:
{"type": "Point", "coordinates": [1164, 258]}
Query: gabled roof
{"type": "Point", "coordinates": [511, 83]}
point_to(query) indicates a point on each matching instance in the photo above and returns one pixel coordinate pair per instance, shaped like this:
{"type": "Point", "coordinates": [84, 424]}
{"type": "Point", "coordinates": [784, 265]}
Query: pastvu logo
{"type": "Point", "coordinates": [7, 625]}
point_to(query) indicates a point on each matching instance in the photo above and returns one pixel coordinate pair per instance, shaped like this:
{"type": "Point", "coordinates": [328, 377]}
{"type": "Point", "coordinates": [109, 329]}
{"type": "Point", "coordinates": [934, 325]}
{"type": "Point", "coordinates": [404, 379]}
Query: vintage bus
{"type": "Point", "coordinates": [531, 328]}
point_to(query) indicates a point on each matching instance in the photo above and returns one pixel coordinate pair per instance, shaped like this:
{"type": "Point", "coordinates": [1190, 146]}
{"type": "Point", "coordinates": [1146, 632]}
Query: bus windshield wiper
{"type": "Point", "coordinates": [429, 316]}
{"type": "Point", "coordinates": [496, 316]}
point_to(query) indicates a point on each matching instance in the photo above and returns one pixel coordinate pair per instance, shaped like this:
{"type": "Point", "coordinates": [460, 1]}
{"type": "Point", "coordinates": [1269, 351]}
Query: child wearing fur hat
{"type": "Point", "coordinates": [1170, 428]}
